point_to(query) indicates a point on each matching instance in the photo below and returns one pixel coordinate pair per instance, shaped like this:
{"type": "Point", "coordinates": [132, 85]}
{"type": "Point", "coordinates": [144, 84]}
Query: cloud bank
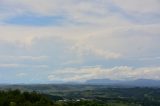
{"type": "Point", "coordinates": [52, 35]}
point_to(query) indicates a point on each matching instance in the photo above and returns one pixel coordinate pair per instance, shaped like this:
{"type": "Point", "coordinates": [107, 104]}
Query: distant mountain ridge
{"type": "Point", "coordinates": [108, 82]}
{"type": "Point", "coordinates": [137, 82]}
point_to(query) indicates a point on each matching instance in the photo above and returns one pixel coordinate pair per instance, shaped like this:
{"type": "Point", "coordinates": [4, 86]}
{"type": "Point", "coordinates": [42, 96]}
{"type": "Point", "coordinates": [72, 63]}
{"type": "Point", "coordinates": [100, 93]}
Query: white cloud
{"type": "Point", "coordinates": [17, 65]}
{"type": "Point", "coordinates": [11, 65]}
{"type": "Point", "coordinates": [92, 12]}
{"type": "Point", "coordinates": [91, 28]}
{"type": "Point", "coordinates": [85, 49]}
{"type": "Point", "coordinates": [22, 58]}
{"type": "Point", "coordinates": [139, 6]}
{"type": "Point", "coordinates": [115, 73]}
{"type": "Point", "coordinates": [106, 42]}
{"type": "Point", "coordinates": [21, 75]}
{"type": "Point", "coordinates": [149, 58]}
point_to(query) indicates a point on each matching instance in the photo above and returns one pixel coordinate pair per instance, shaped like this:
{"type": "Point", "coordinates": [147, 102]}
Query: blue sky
{"type": "Point", "coordinates": [49, 41]}
{"type": "Point", "coordinates": [35, 20]}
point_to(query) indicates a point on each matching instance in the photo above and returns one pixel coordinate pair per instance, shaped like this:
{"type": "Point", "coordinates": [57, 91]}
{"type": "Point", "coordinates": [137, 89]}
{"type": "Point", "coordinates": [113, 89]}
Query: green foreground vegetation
{"type": "Point", "coordinates": [16, 98]}
{"type": "Point", "coordinates": [78, 95]}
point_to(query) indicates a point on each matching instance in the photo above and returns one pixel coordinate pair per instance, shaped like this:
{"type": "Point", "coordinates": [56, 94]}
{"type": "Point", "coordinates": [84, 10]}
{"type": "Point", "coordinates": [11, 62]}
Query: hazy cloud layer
{"type": "Point", "coordinates": [97, 72]}
{"type": "Point", "coordinates": [51, 35]}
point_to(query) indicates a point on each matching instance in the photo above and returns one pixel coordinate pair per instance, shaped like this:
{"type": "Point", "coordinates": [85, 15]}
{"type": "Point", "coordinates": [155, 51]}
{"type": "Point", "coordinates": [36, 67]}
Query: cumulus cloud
{"type": "Point", "coordinates": [97, 72]}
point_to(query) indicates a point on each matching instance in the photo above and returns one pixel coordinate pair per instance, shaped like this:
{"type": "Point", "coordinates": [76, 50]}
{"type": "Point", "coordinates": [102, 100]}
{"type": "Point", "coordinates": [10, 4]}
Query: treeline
{"type": "Point", "coordinates": [18, 98]}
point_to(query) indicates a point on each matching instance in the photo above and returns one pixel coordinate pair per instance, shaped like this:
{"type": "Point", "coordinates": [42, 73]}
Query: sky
{"type": "Point", "coordinates": [57, 41]}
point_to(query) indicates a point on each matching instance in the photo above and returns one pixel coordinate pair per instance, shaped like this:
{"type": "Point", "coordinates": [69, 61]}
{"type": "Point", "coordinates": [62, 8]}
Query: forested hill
{"type": "Point", "coordinates": [77, 95]}
{"type": "Point", "coordinates": [17, 98]}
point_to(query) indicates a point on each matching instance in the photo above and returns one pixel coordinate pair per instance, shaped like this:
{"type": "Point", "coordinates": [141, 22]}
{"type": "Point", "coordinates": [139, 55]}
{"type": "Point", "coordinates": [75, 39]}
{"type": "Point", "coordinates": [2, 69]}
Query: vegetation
{"type": "Point", "coordinates": [16, 98]}
{"type": "Point", "coordinates": [78, 95]}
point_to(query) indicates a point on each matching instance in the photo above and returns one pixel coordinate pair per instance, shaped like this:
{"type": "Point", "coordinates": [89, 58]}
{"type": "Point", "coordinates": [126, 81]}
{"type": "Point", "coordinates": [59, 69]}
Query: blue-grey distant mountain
{"type": "Point", "coordinates": [144, 83]}
{"type": "Point", "coordinates": [138, 82]}
{"type": "Point", "coordinates": [102, 81]}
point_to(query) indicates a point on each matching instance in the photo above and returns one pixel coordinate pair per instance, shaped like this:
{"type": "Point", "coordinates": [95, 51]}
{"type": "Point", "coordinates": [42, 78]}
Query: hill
{"type": "Point", "coordinates": [133, 83]}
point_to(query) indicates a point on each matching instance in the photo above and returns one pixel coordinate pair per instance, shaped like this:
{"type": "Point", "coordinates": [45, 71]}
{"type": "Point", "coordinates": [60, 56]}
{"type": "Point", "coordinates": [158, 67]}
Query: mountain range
{"type": "Point", "coordinates": [137, 82]}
